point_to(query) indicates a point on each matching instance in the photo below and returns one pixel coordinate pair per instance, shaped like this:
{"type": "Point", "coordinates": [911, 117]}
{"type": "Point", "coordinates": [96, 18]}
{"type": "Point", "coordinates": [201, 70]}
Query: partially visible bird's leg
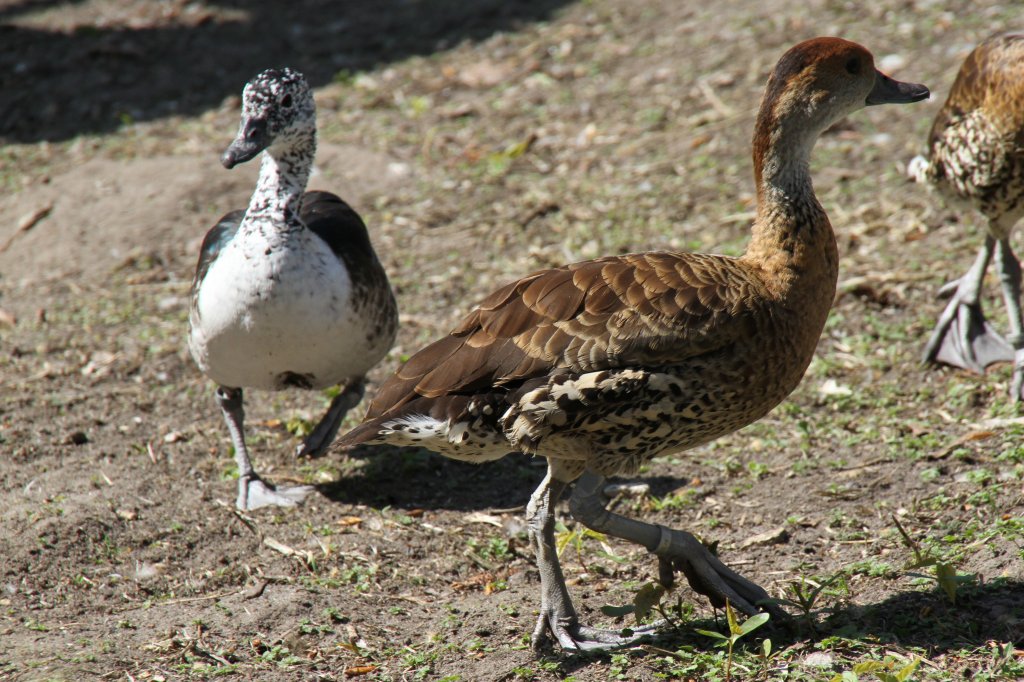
{"type": "Point", "coordinates": [557, 614]}
{"type": "Point", "coordinates": [962, 337]}
{"type": "Point", "coordinates": [540, 523]}
{"type": "Point", "coordinates": [1010, 276]}
{"type": "Point", "coordinates": [323, 434]}
{"type": "Point", "coordinates": [253, 492]}
{"type": "Point", "coordinates": [675, 549]}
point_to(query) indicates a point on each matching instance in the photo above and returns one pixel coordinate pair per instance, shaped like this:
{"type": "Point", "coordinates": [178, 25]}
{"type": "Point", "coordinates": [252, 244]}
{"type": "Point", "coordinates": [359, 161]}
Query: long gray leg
{"type": "Point", "coordinates": [675, 549]}
{"type": "Point", "coordinates": [962, 337]}
{"type": "Point", "coordinates": [253, 492]}
{"type": "Point", "coordinates": [1010, 276]}
{"type": "Point", "coordinates": [557, 614]}
{"type": "Point", "coordinates": [323, 434]}
{"type": "Point", "coordinates": [555, 603]}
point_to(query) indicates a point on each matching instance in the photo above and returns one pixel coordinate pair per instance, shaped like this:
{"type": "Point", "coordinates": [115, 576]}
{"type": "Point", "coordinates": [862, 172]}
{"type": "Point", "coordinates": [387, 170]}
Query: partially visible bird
{"type": "Point", "coordinates": [976, 158]}
{"type": "Point", "coordinates": [599, 366]}
{"type": "Point", "coordinates": [289, 292]}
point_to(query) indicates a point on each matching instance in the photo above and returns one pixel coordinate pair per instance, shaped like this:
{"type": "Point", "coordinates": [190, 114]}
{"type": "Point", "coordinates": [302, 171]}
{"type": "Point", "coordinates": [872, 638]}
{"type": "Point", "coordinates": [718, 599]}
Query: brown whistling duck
{"type": "Point", "coordinates": [288, 293]}
{"type": "Point", "coordinates": [976, 158]}
{"type": "Point", "coordinates": [599, 366]}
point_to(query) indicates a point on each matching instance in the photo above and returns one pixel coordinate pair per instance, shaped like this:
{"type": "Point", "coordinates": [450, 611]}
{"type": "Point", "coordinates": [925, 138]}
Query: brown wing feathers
{"type": "Point", "coordinates": [582, 317]}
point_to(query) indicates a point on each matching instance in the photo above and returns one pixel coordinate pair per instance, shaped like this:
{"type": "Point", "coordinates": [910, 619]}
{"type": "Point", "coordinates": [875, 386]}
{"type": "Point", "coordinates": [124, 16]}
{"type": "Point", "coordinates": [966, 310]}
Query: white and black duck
{"type": "Point", "coordinates": [289, 292]}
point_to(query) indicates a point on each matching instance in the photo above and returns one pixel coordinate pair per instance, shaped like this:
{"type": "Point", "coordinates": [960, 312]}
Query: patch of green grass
{"type": "Point", "coordinates": [684, 498]}
{"type": "Point", "coordinates": [873, 568]}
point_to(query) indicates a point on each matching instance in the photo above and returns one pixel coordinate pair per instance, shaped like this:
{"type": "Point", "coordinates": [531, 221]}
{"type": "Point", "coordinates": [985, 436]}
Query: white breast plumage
{"type": "Point", "coordinates": [277, 304]}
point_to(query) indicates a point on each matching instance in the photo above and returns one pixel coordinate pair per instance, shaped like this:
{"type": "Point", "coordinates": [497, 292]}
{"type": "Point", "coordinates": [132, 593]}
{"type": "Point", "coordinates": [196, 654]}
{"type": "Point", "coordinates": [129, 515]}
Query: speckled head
{"type": "Point", "coordinates": [277, 106]}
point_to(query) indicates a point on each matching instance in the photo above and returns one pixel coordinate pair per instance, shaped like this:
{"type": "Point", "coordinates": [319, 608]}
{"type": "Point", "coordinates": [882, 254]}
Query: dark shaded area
{"type": "Point", "coordinates": [993, 611]}
{"type": "Point", "coordinates": [409, 478]}
{"type": "Point", "coordinates": [183, 58]}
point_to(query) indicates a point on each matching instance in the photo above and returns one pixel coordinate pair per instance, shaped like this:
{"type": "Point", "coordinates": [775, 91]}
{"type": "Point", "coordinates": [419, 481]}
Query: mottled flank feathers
{"type": "Point", "coordinates": [976, 144]}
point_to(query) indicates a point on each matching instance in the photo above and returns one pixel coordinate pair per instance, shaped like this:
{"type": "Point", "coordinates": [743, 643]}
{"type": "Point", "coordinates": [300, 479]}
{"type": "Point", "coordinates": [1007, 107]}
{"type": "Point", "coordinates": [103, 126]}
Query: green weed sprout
{"type": "Point", "coordinates": [736, 631]}
{"type": "Point", "coordinates": [945, 573]}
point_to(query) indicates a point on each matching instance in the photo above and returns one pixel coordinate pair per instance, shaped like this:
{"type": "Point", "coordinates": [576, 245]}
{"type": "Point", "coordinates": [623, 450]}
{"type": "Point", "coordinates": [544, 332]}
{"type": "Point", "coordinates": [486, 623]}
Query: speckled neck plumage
{"type": "Point", "coordinates": [284, 172]}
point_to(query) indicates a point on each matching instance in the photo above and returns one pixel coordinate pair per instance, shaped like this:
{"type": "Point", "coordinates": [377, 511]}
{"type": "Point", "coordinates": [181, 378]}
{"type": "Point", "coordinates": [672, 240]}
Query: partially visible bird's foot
{"type": "Point", "coordinates": [1017, 385]}
{"type": "Point", "coordinates": [317, 442]}
{"type": "Point", "coordinates": [949, 288]}
{"type": "Point", "coordinates": [963, 338]}
{"type": "Point", "coordinates": [575, 637]}
{"type": "Point", "coordinates": [681, 551]}
{"type": "Point", "coordinates": [254, 492]}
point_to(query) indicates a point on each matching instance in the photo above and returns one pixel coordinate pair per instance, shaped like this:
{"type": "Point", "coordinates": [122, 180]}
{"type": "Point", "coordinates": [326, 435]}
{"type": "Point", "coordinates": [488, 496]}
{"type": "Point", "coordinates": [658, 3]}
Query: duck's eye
{"type": "Point", "coordinates": [853, 66]}
{"type": "Point", "coordinates": [286, 101]}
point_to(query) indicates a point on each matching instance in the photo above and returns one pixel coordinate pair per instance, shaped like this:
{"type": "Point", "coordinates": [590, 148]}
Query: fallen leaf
{"type": "Point", "coordinates": [769, 537]}
{"type": "Point", "coordinates": [483, 74]}
{"type": "Point", "coordinates": [479, 517]}
{"type": "Point", "coordinates": [357, 670]}
{"type": "Point", "coordinates": [27, 222]}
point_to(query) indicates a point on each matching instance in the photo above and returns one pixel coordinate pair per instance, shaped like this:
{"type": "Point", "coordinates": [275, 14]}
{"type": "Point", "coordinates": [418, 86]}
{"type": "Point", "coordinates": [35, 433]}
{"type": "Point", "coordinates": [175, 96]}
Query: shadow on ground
{"type": "Point", "coordinates": [983, 615]}
{"type": "Point", "coordinates": [141, 61]}
{"type": "Point", "coordinates": [411, 478]}
{"type": "Point", "coordinates": [415, 477]}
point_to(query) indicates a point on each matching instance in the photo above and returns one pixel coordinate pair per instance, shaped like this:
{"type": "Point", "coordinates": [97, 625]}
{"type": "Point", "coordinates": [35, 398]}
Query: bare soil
{"type": "Point", "coordinates": [480, 140]}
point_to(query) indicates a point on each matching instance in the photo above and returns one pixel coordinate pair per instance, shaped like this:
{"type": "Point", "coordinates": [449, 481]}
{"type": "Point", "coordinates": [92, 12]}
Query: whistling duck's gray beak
{"type": "Point", "coordinates": [890, 91]}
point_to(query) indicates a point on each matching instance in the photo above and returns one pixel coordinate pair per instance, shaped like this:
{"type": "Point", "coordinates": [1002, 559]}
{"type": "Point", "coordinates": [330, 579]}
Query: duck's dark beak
{"type": "Point", "coordinates": [251, 140]}
{"type": "Point", "coordinates": [890, 91]}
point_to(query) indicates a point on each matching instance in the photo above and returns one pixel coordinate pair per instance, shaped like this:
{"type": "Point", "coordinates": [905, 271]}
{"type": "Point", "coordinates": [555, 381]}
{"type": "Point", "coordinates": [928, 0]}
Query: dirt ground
{"type": "Point", "coordinates": [479, 140]}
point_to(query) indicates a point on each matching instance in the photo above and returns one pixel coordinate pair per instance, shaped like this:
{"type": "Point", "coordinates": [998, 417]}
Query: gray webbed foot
{"type": "Point", "coordinates": [963, 338]}
{"type": "Point", "coordinates": [254, 492]}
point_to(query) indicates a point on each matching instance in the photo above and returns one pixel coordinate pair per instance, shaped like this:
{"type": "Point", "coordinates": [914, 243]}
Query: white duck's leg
{"type": "Point", "coordinates": [962, 337]}
{"type": "Point", "coordinates": [1010, 276]}
{"type": "Point", "coordinates": [323, 434]}
{"type": "Point", "coordinates": [557, 614]}
{"type": "Point", "coordinates": [253, 492]}
{"type": "Point", "coordinates": [676, 550]}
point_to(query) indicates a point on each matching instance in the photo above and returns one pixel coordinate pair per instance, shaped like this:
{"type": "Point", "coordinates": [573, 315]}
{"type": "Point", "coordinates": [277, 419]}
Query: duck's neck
{"type": "Point", "coordinates": [284, 172]}
{"type": "Point", "coordinates": [792, 237]}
